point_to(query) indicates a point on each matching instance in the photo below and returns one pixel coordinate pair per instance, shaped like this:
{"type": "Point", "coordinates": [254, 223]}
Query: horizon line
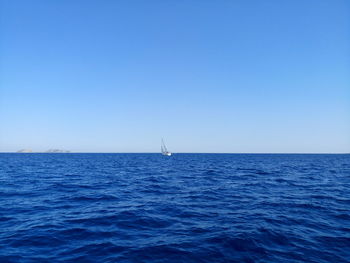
{"type": "Point", "coordinates": [71, 152]}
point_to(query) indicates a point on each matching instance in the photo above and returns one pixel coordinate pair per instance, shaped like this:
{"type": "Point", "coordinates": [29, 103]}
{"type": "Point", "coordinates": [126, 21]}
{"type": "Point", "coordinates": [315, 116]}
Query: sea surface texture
{"type": "Point", "coordinates": [183, 208]}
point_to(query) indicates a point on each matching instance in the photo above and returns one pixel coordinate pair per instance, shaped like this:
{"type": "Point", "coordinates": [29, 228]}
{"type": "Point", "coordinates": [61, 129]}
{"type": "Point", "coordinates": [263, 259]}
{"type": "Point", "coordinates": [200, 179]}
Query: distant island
{"type": "Point", "coordinates": [25, 151]}
{"type": "Point", "coordinates": [48, 151]}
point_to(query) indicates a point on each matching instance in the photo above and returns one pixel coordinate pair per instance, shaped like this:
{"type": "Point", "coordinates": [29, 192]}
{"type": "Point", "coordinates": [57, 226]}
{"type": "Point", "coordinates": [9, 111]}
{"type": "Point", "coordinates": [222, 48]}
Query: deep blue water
{"type": "Point", "coordinates": [186, 208]}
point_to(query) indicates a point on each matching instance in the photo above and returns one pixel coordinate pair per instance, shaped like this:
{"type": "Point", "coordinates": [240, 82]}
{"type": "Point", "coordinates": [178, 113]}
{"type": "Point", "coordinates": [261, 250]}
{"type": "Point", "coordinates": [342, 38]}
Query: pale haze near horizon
{"type": "Point", "coordinates": [207, 76]}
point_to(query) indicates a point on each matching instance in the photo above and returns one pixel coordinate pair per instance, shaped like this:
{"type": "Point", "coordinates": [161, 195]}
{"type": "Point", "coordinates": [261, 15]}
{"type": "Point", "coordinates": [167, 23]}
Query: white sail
{"type": "Point", "coordinates": [164, 149]}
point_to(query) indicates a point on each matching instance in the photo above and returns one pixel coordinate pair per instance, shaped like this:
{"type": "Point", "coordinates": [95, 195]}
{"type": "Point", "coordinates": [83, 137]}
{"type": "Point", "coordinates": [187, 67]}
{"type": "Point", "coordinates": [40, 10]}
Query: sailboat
{"type": "Point", "coordinates": [164, 150]}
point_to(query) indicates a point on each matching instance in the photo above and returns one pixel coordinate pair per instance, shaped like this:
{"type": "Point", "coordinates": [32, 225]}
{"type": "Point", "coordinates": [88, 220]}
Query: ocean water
{"type": "Point", "coordinates": [186, 208]}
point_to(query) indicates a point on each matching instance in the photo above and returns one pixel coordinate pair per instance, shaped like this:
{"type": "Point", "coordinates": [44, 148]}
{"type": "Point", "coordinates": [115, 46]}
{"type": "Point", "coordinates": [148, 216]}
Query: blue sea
{"type": "Point", "coordinates": [183, 208]}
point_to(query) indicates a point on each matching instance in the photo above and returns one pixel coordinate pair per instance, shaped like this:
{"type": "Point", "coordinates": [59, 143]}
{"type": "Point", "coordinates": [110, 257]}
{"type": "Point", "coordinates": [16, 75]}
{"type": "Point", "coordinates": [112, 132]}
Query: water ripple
{"type": "Point", "coordinates": [187, 208]}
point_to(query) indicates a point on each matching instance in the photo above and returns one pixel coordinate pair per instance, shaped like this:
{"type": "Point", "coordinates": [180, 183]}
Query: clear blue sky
{"type": "Point", "coordinates": [208, 76]}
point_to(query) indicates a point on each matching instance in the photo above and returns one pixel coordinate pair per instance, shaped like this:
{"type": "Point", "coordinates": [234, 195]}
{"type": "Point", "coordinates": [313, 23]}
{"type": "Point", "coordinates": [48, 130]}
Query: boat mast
{"type": "Point", "coordinates": [164, 149]}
